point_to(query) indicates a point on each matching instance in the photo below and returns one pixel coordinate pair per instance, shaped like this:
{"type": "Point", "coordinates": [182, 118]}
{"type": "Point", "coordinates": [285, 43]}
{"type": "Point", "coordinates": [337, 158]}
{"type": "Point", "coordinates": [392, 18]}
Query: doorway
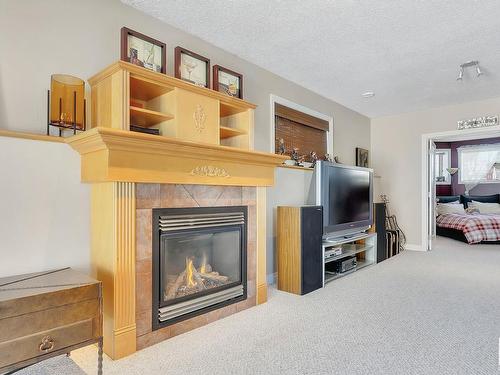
{"type": "Point", "coordinates": [429, 165]}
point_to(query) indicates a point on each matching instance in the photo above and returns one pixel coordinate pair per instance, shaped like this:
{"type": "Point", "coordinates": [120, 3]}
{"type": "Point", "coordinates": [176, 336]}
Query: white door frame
{"type": "Point", "coordinates": [455, 135]}
{"type": "Point", "coordinates": [273, 99]}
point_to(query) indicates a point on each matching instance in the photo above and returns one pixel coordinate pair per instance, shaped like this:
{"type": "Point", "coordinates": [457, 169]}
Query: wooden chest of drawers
{"type": "Point", "coordinates": [47, 314]}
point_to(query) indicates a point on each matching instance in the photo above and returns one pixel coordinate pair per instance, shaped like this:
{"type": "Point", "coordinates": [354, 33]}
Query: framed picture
{"type": "Point", "coordinates": [191, 67]}
{"type": "Point", "coordinates": [228, 82]}
{"type": "Point", "coordinates": [144, 51]}
{"type": "Point", "coordinates": [362, 157]}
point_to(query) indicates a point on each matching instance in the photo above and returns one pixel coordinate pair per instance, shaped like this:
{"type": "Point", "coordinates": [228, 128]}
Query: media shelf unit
{"type": "Point", "coordinates": [124, 94]}
{"type": "Point", "coordinates": [363, 246]}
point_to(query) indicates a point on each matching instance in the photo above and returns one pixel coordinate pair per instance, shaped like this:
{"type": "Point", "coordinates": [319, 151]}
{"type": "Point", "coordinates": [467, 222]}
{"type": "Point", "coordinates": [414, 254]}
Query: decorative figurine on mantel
{"type": "Point", "coordinates": [314, 158]}
{"type": "Point", "coordinates": [295, 155]}
{"type": "Point", "coordinates": [336, 160]}
{"type": "Point", "coordinates": [327, 157]}
{"type": "Point", "coordinates": [281, 146]}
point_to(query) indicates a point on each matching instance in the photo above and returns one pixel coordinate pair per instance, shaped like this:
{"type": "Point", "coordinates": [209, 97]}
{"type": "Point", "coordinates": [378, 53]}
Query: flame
{"type": "Point", "coordinates": [189, 273]}
{"type": "Point", "coordinates": [203, 267]}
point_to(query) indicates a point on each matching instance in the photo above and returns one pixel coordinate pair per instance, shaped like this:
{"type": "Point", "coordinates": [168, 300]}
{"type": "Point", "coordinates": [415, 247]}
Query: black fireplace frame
{"type": "Point", "coordinates": [156, 289]}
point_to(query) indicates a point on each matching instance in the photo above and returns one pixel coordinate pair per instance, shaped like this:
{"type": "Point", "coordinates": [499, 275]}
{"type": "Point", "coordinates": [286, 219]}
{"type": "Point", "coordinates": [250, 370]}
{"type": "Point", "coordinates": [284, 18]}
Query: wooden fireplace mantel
{"type": "Point", "coordinates": [114, 155]}
{"type": "Point", "coordinates": [205, 138]}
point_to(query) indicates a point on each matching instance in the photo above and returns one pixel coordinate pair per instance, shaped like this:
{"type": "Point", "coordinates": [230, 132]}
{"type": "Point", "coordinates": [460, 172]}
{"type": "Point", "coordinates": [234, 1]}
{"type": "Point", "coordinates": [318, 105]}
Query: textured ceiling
{"type": "Point", "coordinates": [406, 51]}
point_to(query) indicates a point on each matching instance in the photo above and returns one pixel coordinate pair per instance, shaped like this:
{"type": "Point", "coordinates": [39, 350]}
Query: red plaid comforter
{"type": "Point", "coordinates": [476, 227]}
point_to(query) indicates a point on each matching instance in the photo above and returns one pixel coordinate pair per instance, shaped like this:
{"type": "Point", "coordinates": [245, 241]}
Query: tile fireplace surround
{"type": "Point", "coordinates": [149, 196]}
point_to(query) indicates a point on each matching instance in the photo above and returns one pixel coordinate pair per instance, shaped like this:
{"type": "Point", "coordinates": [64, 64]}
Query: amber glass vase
{"type": "Point", "coordinates": [67, 101]}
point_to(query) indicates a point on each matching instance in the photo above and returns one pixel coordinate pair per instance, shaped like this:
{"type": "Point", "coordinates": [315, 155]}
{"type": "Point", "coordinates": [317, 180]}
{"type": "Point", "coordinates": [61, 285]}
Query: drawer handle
{"type": "Point", "coordinates": [47, 344]}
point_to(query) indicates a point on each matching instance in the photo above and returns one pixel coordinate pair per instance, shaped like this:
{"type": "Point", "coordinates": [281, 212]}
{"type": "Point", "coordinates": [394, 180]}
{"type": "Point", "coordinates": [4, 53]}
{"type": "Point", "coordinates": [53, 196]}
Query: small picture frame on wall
{"type": "Point", "coordinates": [227, 82]}
{"type": "Point", "coordinates": [191, 67]}
{"type": "Point", "coordinates": [142, 50]}
{"type": "Point", "coordinates": [362, 157]}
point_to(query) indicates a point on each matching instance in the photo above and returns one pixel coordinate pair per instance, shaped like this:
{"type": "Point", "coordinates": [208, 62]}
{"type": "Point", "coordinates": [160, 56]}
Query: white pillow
{"type": "Point", "coordinates": [485, 208]}
{"type": "Point", "coordinates": [450, 208]}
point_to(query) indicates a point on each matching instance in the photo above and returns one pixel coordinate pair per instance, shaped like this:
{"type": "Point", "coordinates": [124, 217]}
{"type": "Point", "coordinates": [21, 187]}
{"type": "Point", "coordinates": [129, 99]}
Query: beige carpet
{"type": "Point", "coordinates": [417, 313]}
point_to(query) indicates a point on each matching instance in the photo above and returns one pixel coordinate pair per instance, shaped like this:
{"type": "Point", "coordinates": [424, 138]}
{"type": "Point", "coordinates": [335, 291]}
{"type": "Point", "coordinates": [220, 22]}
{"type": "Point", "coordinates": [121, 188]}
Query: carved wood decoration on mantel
{"type": "Point", "coordinates": [117, 155]}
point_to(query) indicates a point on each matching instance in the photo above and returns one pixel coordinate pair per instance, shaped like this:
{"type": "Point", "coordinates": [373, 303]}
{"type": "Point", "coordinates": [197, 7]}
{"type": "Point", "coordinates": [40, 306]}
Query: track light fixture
{"type": "Point", "coordinates": [469, 64]}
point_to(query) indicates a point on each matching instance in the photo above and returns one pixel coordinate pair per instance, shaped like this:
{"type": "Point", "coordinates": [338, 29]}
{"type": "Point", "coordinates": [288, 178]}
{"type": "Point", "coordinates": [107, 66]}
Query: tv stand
{"type": "Point", "coordinates": [362, 246]}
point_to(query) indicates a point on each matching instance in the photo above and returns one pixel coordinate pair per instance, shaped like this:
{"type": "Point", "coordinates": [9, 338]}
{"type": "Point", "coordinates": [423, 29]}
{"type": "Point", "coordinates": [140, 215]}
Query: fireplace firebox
{"type": "Point", "coordinates": [199, 261]}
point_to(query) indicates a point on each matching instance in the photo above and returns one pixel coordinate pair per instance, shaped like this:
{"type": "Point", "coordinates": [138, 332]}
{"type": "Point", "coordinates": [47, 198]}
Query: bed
{"type": "Point", "coordinates": [470, 228]}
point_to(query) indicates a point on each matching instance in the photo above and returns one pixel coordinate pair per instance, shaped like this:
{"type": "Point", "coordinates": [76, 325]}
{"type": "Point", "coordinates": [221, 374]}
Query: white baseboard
{"type": "Point", "coordinates": [414, 247]}
{"type": "Point", "coordinates": [272, 278]}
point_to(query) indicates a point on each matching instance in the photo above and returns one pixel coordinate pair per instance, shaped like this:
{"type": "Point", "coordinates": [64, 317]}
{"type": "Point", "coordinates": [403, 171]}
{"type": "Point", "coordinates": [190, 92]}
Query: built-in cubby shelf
{"type": "Point", "coordinates": [146, 117]}
{"type": "Point", "coordinates": [146, 89]}
{"type": "Point", "coordinates": [226, 132]}
{"type": "Point", "coordinates": [125, 94]}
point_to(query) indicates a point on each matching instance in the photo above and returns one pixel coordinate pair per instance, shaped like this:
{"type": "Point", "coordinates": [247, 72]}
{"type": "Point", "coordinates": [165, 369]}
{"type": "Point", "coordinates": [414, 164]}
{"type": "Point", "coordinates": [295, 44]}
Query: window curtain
{"type": "Point", "coordinates": [478, 164]}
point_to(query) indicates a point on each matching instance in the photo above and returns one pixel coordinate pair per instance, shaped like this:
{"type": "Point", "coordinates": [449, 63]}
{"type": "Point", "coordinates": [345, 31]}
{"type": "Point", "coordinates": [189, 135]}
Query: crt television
{"type": "Point", "coordinates": [346, 194]}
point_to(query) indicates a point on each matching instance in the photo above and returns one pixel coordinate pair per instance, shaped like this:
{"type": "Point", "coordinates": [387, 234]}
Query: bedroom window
{"type": "Point", "coordinates": [479, 164]}
{"type": "Point", "coordinates": [442, 162]}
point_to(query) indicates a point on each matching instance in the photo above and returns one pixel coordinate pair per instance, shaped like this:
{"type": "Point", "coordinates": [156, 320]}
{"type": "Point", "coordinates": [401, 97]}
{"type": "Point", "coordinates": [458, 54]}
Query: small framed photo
{"type": "Point", "coordinates": [362, 157]}
{"type": "Point", "coordinates": [228, 82]}
{"type": "Point", "coordinates": [140, 49]}
{"type": "Point", "coordinates": [191, 67]}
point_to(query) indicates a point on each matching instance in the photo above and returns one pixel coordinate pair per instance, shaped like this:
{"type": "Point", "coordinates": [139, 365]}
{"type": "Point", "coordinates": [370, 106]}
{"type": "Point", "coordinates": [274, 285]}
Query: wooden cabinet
{"type": "Point", "coordinates": [47, 314]}
{"type": "Point", "coordinates": [125, 94]}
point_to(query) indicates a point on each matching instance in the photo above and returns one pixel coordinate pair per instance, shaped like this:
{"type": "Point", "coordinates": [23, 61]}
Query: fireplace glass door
{"type": "Point", "coordinates": [199, 262]}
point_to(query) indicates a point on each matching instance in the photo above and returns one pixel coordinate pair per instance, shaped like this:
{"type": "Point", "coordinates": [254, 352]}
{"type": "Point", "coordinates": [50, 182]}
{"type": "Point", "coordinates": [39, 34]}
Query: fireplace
{"type": "Point", "coordinates": [199, 261]}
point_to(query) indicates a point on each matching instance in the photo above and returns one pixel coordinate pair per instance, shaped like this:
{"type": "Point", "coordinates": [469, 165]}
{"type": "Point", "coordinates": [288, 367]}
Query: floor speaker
{"type": "Point", "coordinates": [299, 248]}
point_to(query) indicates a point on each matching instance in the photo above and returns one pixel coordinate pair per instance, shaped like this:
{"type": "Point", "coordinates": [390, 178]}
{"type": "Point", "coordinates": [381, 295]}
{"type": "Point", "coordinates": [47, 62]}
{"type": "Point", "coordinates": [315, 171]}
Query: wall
{"type": "Point", "coordinates": [83, 37]}
{"type": "Point", "coordinates": [44, 221]}
{"type": "Point", "coordinates": [396, 156]}
{"type": "Point", "coordinates": [455, 188]}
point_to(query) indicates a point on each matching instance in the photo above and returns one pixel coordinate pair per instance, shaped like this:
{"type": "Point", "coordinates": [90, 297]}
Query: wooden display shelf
{"type": "Point", "coordinates": [146, 117]}
{"type": "Point", "coordinates": [227, 109]}
{"type": "Point", "coordinates": [226, 132]}
{"type": "Point", "coordinates": [146, 89]}
{"type": "Point", "coordinates": [113, 155]}
{"type": "Point", "coordinates": [296, 167]}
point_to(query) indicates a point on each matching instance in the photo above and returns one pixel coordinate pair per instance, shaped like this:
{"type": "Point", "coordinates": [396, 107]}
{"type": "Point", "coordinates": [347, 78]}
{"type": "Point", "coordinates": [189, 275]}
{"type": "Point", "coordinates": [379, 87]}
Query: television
{"type": "Point", "coordinates": [346, 194]}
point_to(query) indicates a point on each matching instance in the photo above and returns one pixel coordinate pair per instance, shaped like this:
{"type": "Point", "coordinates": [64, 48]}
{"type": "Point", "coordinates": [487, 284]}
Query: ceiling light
{"type": "Point", "coordinates": [368, 94]}
{"type": "Point", "coordinates": [469, 64]}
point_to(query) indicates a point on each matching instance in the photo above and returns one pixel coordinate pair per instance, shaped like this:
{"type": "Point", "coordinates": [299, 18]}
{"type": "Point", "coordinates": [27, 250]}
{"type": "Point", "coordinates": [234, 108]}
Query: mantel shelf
{"type": "Point", "coordinates": [119, 155]}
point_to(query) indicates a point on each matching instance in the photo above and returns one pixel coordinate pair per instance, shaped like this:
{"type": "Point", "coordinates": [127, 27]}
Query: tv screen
{"type": "Point", "coordinates": [349, 193]}
{"type": "Point", "coordinates": [345, 192]}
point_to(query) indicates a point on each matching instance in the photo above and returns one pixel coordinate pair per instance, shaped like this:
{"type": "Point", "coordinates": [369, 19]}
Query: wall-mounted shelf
{"type": "Point", "coordinates": [296, 167]}
{"type": "Point", "coordinates": [146, 117]}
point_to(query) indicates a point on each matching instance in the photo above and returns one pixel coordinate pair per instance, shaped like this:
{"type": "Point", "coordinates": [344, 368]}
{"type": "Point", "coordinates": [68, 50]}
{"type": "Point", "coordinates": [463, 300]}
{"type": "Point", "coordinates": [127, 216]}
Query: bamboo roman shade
{"type": "Point", "coordinates": [300, 130]}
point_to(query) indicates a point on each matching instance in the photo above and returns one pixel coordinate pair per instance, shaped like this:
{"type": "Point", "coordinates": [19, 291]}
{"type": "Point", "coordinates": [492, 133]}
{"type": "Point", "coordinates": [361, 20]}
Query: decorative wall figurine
{"type": "Point", "coordinates": [313, 157]}
{"type": "Point", "coordinates": [281, 146]}
{"type": "Point", "coordinates": [295, 155]}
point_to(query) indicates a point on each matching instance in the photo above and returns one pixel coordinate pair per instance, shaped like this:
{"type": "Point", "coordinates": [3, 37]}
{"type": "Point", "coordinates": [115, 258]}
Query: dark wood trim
{"type": "Point", "coordinates": [215, 81]}
{"type": "Point", "coordinates": [125, 32]}
{"type": "Point", "coordinates": [177, 62]}
{"type": "Point", "coordinates": [300, 117]}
